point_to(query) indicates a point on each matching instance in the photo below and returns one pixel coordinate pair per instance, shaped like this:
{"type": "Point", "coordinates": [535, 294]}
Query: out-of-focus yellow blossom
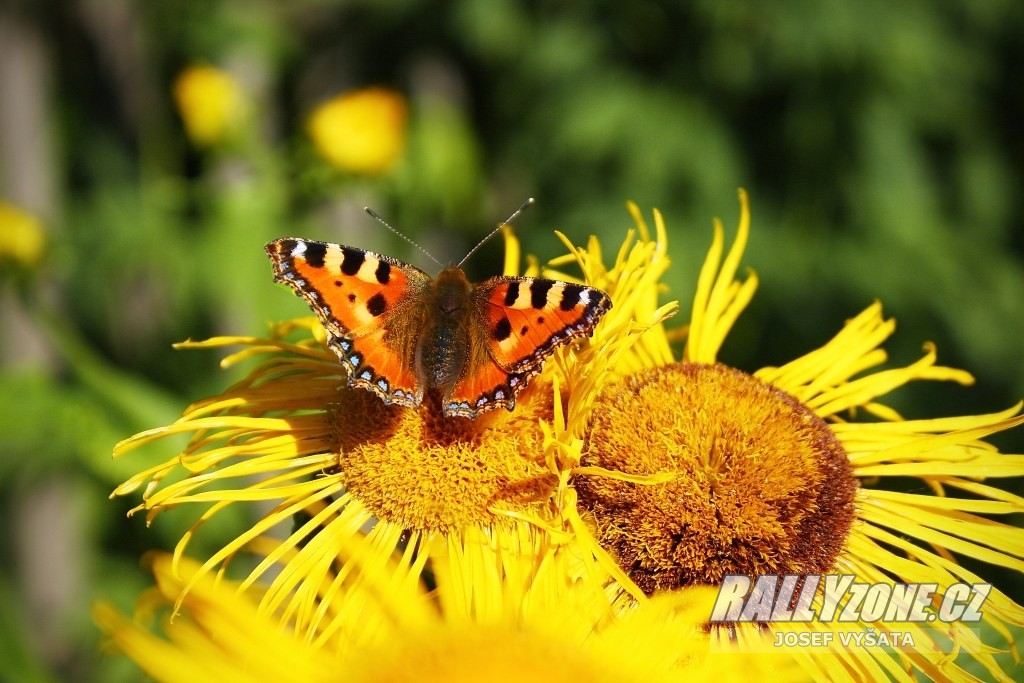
{"type": "Point", "coordinates": [542, 626]}
{"type": "Point", "coordinates": [211, 103]}
{"type": "Point", "coordinates": [21, 235]}
{"type": "Point", "coordinates": [362, 131]}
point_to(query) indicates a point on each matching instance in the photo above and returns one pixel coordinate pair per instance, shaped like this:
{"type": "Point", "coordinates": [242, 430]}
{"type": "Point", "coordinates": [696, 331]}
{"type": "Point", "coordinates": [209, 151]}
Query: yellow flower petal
{"type": "Point", "coordinates": [719, 298]}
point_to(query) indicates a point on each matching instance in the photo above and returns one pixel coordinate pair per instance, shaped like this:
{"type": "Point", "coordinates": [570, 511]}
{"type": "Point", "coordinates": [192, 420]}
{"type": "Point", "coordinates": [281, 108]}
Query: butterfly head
{"type": "Point", "coordinates": [452, 290]}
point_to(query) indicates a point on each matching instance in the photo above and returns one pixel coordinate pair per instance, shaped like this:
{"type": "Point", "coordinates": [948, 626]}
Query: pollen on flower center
{"type": "Point", "coordinates": [761, 485]}
{"type": "Point", "coordinates": [421, 471]}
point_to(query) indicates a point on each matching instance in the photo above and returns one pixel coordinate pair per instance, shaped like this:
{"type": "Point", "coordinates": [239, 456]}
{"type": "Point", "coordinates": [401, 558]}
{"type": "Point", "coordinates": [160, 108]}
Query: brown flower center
{"type": "Point", "coordinates": [761, 486]}
{"type": "Point", "coordinates": [422, 471]}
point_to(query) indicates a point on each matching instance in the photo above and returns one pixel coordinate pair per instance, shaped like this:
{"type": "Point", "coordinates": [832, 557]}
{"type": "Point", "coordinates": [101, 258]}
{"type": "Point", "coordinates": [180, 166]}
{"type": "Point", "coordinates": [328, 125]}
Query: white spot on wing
{"type": "Point", "coordinates": [299, 250]}
{"type": "Point", "coordinates": [362, 315]}
{"type": "Point", "coordinates": [523, 299]}
{"type": "Point", "coordinates": [333, 257]}
{"type": "Point", "coordinates": [554, 297]}
{"type": "Point", "coordinates": [368, 271]}
{"type": "Point", "coordinates": [509, 344]}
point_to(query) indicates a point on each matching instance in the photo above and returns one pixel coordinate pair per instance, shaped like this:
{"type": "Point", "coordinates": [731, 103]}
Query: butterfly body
{"type": "Point", "coordinates": [400, 333]}
{"type": "Point", "coordinates": [443, 347]}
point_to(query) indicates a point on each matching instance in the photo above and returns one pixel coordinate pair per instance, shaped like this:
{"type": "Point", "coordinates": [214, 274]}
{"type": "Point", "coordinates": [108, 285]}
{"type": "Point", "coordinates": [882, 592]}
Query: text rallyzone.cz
{"type": "Point", "coordinates": [774, 598]}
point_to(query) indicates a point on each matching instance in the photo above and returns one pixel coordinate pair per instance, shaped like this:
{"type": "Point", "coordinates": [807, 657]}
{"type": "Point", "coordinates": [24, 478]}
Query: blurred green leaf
{"type": "Point", "coordinates": [21, 665]}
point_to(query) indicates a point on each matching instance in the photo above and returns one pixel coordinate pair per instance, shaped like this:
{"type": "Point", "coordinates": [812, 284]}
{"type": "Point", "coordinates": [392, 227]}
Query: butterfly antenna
{"type": "Point", "coordinates": [501, 225]}
{"type": "Point", "coordinates": [385, 224]}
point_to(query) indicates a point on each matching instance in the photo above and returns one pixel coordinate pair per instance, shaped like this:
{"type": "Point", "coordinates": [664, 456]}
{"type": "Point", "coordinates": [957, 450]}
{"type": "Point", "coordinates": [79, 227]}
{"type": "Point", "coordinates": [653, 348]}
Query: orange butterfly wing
{"type": "Point", "coordinates": [364, 301]}
{"type": "Point", "coordinates": [528, 318]}
{"type": "Point", "coordinates": [520, 321]}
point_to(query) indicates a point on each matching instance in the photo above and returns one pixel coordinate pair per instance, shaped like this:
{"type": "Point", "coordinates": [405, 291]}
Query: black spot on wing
{"type": "Point", "coordinates": [383, 271]}
{"type": "Point", "coordinates": [512, 293]}
{"type": "Point", "coordinates": [598, 306]}
{"type": "Point", "coordinates": [376, 304]}
{"type": "Point", "coordinates": [315, 253]}
{"type": "Point", "coordinates": [502, 330]}
{"type": "Point", "coordinates": [286, 246]}
{"type": "Point", "coordinates": [570, 297]}
{"type": "Point", "coordinates": [352, 261]}
{"type": "Point", "coordinates": [539, 292]}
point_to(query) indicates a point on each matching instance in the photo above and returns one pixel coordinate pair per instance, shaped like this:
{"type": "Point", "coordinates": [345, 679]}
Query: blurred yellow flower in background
{"type": "Point", "coordinates": [210, 102]}
{"type": "Point", "coordinates": [362, 131]}
{"type": "Point", "coordinates": [21, 235]}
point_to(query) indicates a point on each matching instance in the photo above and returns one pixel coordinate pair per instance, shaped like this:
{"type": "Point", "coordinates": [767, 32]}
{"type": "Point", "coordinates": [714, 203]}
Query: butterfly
{"type": "Point", "coordinates": [399, 332]}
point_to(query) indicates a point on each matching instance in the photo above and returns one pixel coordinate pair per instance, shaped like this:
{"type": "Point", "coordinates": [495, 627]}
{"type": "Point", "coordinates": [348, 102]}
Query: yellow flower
{"type": "Point", "coordinates": [293, 436]}
{"type": "Point", "coordinates": [542, 628]}
{"type": "Point", "coordinates": [362, 131]}
{"type": "Point", "coordinates": [21, 235]}
{"type": "Point", "coordinates": [691, 470]}
{"type": "Point", "coordinates": [210, 103]}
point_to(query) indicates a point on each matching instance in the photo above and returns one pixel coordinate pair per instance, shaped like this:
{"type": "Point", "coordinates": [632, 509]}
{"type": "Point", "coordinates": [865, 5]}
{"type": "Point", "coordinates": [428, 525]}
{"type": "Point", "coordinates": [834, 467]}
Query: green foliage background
{"type": "Point", "coordinates": [881, 143]}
